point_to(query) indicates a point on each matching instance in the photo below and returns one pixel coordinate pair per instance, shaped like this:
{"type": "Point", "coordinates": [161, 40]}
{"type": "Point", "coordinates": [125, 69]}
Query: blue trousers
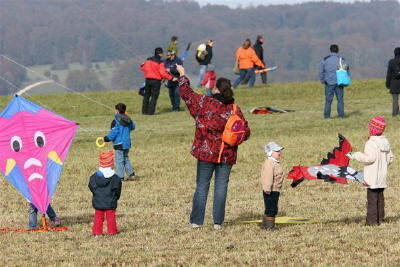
{"type": "Point", "coordinates": [174, 97]}
{"type": "Point", "coordinates": [32, 224]}
{"type": "Point", "coordinates": [204, 173]}
{"type": "Point", "coordinates": [202, 71]}
{"type": "Point", "coordinates": [122, 163]}
{"type": "Point", "coordinates": [243, 74]}
{"type": "Point", "coordinates": [330, 91]}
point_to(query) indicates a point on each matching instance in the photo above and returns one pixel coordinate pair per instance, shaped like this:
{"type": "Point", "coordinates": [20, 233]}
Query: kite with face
{"type": "Point", "coordinates": [34, 143]}
{"type": "Point", "coordinates": [333, 169]}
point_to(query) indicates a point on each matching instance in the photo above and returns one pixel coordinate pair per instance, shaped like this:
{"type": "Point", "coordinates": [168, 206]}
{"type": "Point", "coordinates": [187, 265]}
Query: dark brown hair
{"type": "Point", "coordinates": [225, 88]}
{"type": "Point", "coordinates": [247, 43]}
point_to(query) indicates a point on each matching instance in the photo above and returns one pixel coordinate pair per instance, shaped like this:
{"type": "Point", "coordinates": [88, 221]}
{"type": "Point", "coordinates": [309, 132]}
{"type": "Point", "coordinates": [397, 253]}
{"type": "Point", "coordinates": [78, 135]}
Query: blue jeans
{"type": "Point", "coordinates": [174, 97]}
{"type": "Point", "coordinates": [201, 75]}
{"type": "Point", "coordinates": [122, 163]}
{"type": "Point", "coordinates": [204, 173]}
{"type": "Point", "coordinates": [32, 224]}
{"type": "Point", "coordinates": [331, 90]}
{"type": "Point", "coordinates": [243, 74]}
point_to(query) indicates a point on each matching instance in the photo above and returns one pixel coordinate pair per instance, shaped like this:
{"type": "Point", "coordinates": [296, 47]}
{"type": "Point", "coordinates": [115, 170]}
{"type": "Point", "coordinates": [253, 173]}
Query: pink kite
{"type": "Point", "coordinates": [34, 144]}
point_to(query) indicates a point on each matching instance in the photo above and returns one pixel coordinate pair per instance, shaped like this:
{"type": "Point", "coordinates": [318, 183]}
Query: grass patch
{"type": "Point", "coordinates": [153, 212]}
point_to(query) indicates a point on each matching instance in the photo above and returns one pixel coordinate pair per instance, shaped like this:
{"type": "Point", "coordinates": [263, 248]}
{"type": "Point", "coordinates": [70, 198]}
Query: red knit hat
{"type": "Point", "coordinates": [106, 159]}
{"type": "Point", "coordinates": [377, 125]}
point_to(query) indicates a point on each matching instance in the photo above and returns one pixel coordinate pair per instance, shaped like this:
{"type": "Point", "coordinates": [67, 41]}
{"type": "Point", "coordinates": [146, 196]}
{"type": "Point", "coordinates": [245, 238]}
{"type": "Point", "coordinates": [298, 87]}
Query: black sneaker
{"type": "Point", "coordinates": [132, 177]}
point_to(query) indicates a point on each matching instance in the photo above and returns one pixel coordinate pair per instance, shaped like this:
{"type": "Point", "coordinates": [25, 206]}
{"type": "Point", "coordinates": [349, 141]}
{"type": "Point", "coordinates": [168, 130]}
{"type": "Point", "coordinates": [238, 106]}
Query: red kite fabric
{"type": "Point", "coordinates": [333, 169]}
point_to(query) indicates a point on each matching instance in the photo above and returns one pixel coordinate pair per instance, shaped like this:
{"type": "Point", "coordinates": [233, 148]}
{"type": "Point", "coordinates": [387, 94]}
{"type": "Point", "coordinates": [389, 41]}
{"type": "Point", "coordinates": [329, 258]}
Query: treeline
{"type": "Point", "coordinates": [59, 32]}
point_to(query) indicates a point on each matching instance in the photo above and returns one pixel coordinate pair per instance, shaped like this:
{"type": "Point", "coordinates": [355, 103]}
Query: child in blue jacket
{"type": "Point", "coordinates": [120, 135]}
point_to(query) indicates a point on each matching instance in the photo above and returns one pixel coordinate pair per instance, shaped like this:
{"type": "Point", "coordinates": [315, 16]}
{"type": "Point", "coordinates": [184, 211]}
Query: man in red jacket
{"type": "Point", "coordinates": [154, 71]}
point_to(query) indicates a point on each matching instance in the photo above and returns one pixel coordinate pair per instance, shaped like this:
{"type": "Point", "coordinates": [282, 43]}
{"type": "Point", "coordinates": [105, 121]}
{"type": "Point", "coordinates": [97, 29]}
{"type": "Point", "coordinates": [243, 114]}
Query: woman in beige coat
{"type": "Point", "coordinates": [377, 156]}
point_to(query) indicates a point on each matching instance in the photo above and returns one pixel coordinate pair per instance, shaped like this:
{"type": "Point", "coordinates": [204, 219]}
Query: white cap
{"type": "Point", "coordinates": [271, 147]}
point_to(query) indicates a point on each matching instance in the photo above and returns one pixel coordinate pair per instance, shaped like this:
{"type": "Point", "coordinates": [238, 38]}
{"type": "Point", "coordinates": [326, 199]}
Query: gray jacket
{"type": "Point", "coordinates": [328, 67]}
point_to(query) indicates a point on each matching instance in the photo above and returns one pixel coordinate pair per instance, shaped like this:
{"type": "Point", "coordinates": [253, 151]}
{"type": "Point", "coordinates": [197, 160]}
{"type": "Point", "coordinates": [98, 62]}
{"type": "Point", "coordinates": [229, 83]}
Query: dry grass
{"type": "Point", "coordinates": [153, 212]}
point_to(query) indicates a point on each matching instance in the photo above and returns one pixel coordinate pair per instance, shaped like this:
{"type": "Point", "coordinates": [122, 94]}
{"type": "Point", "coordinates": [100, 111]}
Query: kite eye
{"type": "Point", "coordinates": [40, 140]}
{"type": "Point", "coordinates": [16, 143]}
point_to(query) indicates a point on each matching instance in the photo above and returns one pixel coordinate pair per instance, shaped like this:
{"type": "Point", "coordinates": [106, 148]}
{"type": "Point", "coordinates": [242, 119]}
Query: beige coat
{"type": "Point", "coordinates": [271, 176]}
{"type": "Point", "coordinates": [376, 158]}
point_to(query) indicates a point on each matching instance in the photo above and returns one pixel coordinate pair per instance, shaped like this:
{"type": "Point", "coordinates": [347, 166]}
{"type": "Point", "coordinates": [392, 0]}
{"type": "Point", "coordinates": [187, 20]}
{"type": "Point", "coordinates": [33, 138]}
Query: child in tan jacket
{"type": "Point", "coordinates": [376, 158]}
{"type": "Point", "coordinates": [271, 181]}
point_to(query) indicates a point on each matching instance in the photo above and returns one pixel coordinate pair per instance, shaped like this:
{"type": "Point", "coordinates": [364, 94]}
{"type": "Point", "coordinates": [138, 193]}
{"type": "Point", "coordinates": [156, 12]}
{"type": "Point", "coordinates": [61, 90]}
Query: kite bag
{"type": "Point", "coordinates": [342, 75]}
{"type": "Point", "coordinates": [234, 132]}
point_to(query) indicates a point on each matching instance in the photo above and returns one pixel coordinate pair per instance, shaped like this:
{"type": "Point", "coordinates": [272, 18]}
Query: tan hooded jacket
{"type": "Point", "coordinates": [271, 176]}
{"type": "Point", "coordinates": [376, 158]}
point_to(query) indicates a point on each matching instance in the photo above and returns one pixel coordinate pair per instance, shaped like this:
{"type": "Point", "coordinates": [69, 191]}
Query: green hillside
{"type": "Point", "coordinates": [153, 212]}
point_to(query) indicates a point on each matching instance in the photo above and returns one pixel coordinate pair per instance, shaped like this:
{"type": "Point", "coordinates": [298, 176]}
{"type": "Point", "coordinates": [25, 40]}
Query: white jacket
{"type": "Point", "coordinates": [376, 158]}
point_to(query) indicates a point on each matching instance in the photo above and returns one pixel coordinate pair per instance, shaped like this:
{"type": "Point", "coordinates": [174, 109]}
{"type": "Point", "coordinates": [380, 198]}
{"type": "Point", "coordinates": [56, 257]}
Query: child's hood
{"type": "Point", "coordinates": [123, 119]}
{"type": "Point", "coordinates": [381, 142]}
{"type": "Point", "coordinates": [100, 180]}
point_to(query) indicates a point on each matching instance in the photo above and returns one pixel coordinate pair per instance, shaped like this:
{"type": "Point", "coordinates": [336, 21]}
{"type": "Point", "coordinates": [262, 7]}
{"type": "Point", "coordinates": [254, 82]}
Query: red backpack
{"type": "Point", "coordinates": [234, 132]}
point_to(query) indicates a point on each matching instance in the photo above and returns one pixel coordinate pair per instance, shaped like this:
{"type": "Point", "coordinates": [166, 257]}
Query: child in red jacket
{"type": "Point", "coordinates": [209, 79]}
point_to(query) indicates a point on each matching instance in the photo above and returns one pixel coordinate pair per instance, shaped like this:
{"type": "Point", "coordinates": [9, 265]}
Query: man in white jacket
{"type": "Point", "coordinates": [376, 158]}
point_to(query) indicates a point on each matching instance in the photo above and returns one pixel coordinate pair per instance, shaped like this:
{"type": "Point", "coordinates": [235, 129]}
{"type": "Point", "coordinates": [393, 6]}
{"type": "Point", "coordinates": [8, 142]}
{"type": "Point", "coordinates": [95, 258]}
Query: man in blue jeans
{"type": "Point", "coordinates": [327, 76]}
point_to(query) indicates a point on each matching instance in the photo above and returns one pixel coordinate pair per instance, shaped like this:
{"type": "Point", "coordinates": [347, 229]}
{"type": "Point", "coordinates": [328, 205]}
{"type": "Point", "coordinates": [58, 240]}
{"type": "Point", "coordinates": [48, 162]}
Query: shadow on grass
{"type": "Point", "coordinates": [84, 218]}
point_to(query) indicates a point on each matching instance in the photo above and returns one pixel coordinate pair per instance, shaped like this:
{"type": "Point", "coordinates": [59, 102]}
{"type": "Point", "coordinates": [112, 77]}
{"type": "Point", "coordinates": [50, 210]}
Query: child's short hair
{"type": "Point", "coordinates": [121, 107]}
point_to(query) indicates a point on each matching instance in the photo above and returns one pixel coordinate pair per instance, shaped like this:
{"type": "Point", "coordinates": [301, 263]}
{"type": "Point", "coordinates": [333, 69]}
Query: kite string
{"type": "Point", "coordinates": [59, 84]}
{"type": "Point", "coordinates": [16, 88]}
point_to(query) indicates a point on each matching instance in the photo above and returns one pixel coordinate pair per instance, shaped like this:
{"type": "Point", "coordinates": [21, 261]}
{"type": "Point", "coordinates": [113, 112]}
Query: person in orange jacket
{"type": "Point", "coordinates": [154, 71]}
{"type": "Point", "coordinates": [247, 59]}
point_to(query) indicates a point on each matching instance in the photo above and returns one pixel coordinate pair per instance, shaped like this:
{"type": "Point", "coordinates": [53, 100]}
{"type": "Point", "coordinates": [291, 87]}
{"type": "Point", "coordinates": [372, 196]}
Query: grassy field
{"type": "Point", "coordinates": [153, 212]}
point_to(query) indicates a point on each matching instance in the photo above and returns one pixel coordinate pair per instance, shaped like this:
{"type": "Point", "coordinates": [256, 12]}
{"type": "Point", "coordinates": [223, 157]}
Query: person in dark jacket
{"type": "Point", "coordinates": [154, 72]}
{"type": "Point", "coordinates": [173, 86]}
{"type": "Point", "coordinates": [204, 60]}
{"type": "Point", "coordinates": [393, 81]}
{"type": "Point", "coordinates": [120, 135]}
{"type": "Point", "coordinates": [211, 114]}
{"type": "Point", "coordinates": [105, 186]}
{"type": "Point", "coordinates": [258, 48]}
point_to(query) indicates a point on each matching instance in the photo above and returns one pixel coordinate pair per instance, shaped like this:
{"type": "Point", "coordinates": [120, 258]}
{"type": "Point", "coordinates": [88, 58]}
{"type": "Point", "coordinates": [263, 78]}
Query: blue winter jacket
{"type": "Point", "coordinates": [120, 133]}
{"type": "Point", "coordinates": [328, 67]}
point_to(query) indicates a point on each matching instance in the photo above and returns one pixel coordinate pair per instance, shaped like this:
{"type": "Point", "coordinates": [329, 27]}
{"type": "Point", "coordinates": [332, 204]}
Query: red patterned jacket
{"type": "Point", "coordinates": [210, 117]}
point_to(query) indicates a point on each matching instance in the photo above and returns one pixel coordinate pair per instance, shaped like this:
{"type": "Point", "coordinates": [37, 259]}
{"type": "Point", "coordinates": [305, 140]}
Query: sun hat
{"type": "Point", "coordinates": [272, 147]}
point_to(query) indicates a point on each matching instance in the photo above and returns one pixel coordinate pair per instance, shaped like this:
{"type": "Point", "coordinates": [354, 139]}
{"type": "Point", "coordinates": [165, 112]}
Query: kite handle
{"type": "Point", "coordinates": [98, 142]}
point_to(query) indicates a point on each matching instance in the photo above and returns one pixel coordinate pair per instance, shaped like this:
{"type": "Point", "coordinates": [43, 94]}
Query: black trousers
{"type": "Point", "coordinates": [375, 206]}
{"type": "Point", "coordinates": [152, 91]}
{"type": "Point", "coordinates": [395, 105]}
{"type": "Point", "coordinates": [271, 203]}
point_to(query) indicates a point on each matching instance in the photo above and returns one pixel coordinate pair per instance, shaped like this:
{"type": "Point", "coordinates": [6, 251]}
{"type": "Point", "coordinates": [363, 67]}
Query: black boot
{"type": "Point", "coordinates": [269, 224]}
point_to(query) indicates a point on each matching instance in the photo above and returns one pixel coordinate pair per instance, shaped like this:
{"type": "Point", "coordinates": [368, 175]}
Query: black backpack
{"type": "Point", "coordinates": [396, 72]}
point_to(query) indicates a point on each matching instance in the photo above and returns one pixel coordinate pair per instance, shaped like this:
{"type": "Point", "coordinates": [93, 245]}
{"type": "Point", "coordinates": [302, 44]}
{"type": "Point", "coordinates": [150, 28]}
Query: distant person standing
{"type": "Point", "coordinates": [173, 86]}
{"type": "Point", "coordinates": [247, 59]}
{"type": "Point", "coordinates": [327, 76]}
{"type": "Point", "coordinates": [204, 56]}
{"type": "Point", "coordinates": [258, 48]}
{"type": "Point", "coordinates": [173, 45]}
{"type": "Point", "coordinates": [154, 72]}
{"type": "Point", "coordinates": [393, 80]}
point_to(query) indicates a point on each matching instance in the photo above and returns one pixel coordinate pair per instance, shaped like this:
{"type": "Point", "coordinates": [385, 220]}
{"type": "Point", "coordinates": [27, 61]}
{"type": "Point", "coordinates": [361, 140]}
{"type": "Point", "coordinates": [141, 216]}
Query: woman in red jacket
{"type": "Point", "coordinates": [210, 114]}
